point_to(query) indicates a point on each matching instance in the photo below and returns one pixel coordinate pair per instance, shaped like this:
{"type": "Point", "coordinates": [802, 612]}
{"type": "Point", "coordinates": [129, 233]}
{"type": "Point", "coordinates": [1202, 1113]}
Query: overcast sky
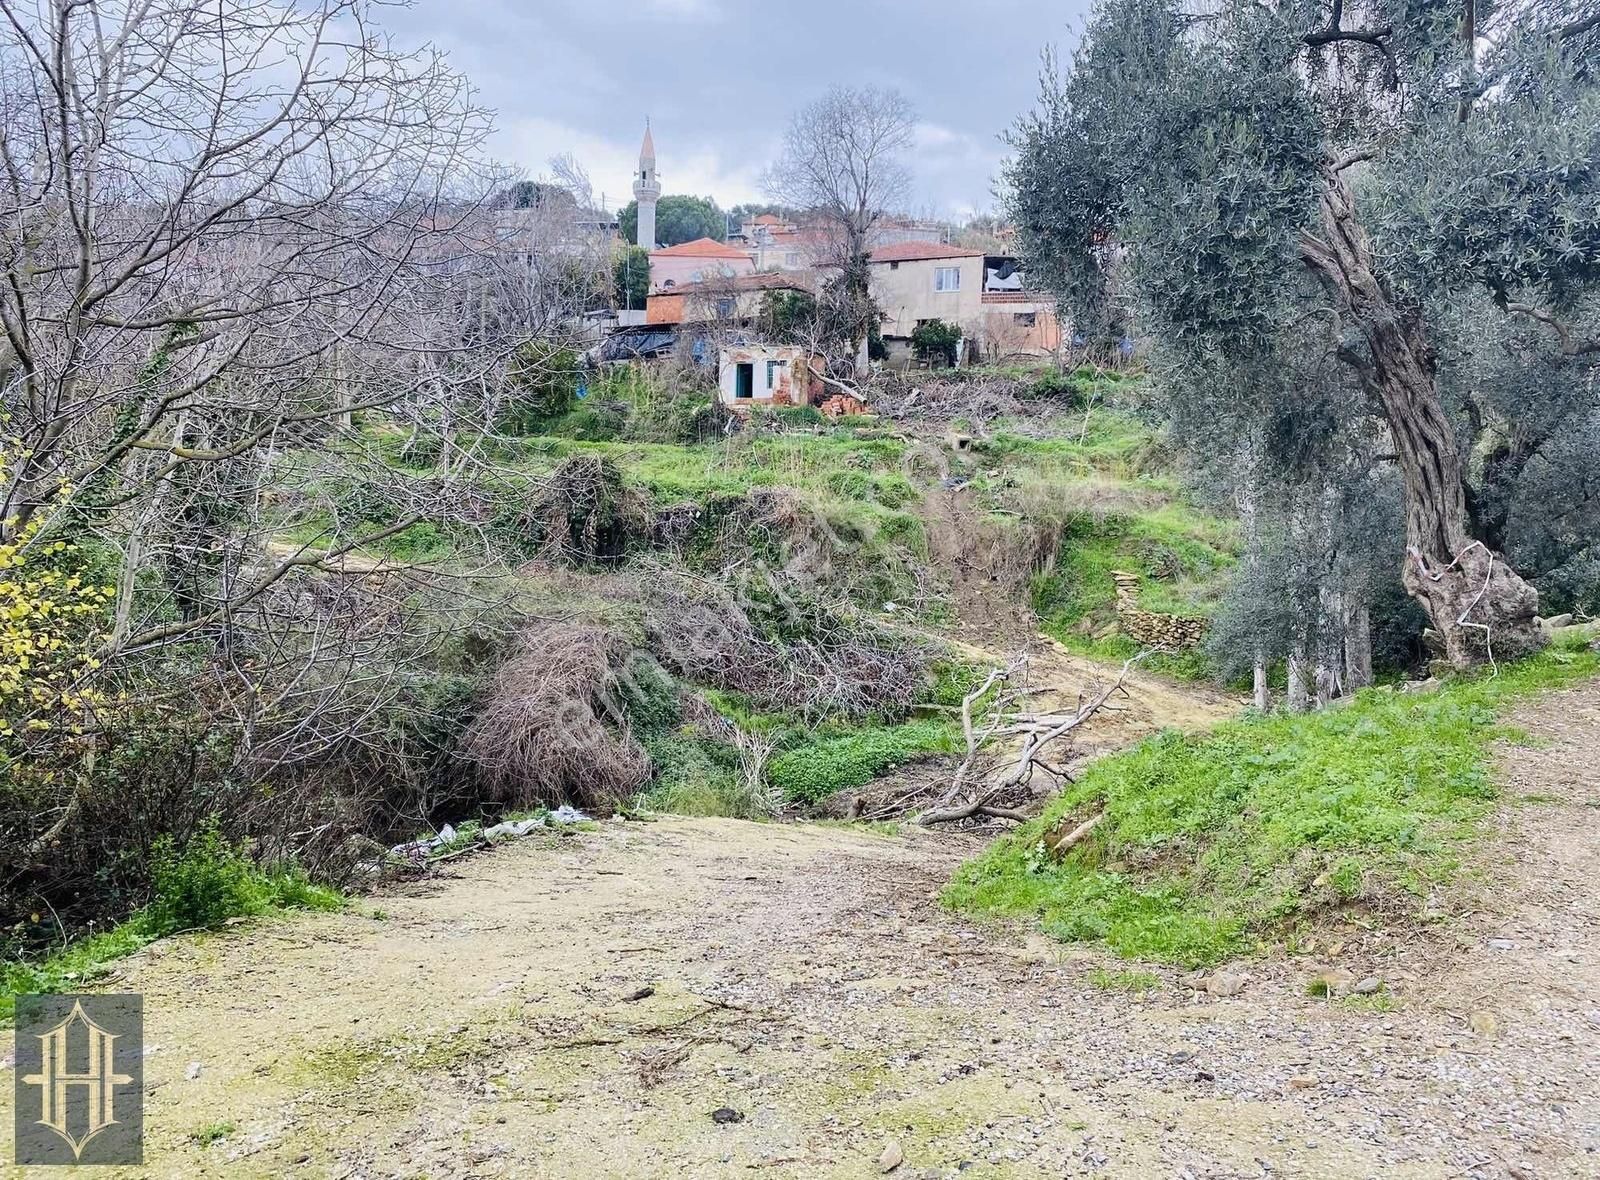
{"type": "Point", "coordinates": [719, 79]}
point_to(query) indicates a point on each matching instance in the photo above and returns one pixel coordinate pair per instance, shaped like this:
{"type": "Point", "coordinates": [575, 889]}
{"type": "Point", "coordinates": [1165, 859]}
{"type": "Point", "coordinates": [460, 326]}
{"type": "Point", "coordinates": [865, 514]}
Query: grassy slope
{"type": "Point", "coordinates": [1101, 485]}
{"type": "Point", "coordinates": [211, 884]}
{"type": "Point", "coordinates": [1213, 845]}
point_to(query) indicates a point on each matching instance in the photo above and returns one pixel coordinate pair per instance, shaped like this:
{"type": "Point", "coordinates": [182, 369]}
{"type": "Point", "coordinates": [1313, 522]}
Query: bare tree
{"type": "Point", "coordinates": [216, 222]}
{"type": "Point", "coordinates": [842, 166]}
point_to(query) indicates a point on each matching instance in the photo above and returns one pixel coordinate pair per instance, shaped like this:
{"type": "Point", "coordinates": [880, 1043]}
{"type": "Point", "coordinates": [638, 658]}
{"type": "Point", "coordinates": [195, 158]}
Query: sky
{"type": "Point", "coordinates": [719, 79]}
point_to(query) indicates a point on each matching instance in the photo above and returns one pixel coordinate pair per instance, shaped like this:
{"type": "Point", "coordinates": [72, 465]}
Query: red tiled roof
{"type": "Point", "coordinates": [766, 280]}
{"type": "Point", "coordinates": [920, 252]}
{"type": "Point", "coordinates": [769, 219]}
{"type": "Point", "coordinates": [701, 248]}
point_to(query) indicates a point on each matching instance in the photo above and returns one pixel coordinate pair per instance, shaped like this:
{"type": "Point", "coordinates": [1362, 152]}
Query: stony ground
{"type": "Point", "coordinates": [717, 999]}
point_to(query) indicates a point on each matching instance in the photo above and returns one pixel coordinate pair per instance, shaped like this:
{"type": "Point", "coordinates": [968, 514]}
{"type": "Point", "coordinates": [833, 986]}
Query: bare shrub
{"type": "Point", "coordinates": [587, 514]}
{"type": "Point", "coordinates": [551, 728]}
{"type": "Point", "coordinates": [701, 633]}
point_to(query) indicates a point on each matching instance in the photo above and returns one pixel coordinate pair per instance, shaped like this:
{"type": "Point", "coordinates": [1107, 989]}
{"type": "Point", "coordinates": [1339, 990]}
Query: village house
{"type": "Point", "coordinates": [1014, 321]}
{"type": "Point", "coordinates": [983, 295]}
{"type": "Point", "coordinates": [735, 299]}
{"type": "Point", "coordinates": [912, 282]}
{"type": "Point", "coordinates": [697, 261]}
{"type": "Point", "coordinates": [766, 375]}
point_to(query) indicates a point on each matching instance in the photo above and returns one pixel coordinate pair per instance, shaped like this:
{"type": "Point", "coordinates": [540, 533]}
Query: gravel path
{"type": "Point", "coordinates": [716, 999]}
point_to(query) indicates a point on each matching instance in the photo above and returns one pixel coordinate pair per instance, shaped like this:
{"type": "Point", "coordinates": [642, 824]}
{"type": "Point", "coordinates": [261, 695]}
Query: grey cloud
{"type": "Point", "coordinates": [719, 78]}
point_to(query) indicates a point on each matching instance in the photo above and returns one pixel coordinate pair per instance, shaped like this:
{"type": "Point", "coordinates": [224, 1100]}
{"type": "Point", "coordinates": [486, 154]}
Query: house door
{"type": "Point", "coordinates": [744, 380]}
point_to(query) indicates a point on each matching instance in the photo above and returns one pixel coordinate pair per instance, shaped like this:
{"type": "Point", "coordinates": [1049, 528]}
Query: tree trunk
{"type": "Point", "coordinates": [1260, 697]}
{"type": "Point", "coordinates": [1357, 646]}
{"type": "Point", "coordinates": [1476, 601]}
{"type": "Point", "coordinates": [1298, 695]}
{"type": "Point", "coordinates": [1329, 655]}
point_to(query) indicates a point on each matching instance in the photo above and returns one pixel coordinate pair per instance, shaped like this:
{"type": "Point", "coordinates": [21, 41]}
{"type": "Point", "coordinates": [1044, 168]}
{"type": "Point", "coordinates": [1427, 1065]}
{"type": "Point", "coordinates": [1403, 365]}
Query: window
{"type": "Point", "coordinates": [947, 278]}
{"type": "Point", "coordinates": [1025, 319]}
{"type": "Point", "coordinates": [724, 308]}
{"type": "Point", "coordinates": [772, 374]}
{"type": "Point", "coordinates": [791, 259]}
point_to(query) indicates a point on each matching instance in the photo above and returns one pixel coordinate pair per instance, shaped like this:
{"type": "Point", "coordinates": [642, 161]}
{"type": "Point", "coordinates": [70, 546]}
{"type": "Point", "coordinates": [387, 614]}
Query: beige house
{"type": "Point", "coordinates": [983, 295]}
{"type": "Point", "coordinates": [1017, 324]}
{"type": "Point", "coordinates": [917, 281]}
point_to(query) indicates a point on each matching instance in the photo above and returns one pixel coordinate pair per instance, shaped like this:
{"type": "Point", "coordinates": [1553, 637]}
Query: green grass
{"type": "Point", "coordinates": [1215, 845]}
{"type": "Point", "coordinates": [211, 1133]}
{"type": "Point", "coordinates": [1124, 981]}
{"type": "Point", "coordinates": [1184, 555]}
{"type": "Point", "coordinates": [887, 829]}
{"type": "Point", "coordinates": [854, 758]}
{"type": "Point", "coordinates": [204, 887]}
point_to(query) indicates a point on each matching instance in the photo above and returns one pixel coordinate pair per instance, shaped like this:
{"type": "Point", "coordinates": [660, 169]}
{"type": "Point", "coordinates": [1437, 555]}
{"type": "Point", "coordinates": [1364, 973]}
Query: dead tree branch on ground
{"type": "Point", "coordinates": [975, 786]}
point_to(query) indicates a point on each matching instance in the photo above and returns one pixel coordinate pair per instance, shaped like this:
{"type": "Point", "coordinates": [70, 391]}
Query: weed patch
{"type": "Point", "coordinates": [1213, 844]}
{"type": "Point", "coordinates": [827, 765]}
{"type": "Point", "coordinates": [201, 887]}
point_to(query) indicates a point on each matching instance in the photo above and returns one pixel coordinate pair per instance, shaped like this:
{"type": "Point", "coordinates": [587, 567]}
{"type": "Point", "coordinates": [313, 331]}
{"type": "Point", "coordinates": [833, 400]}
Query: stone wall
{"type": "Point", "coordinates": [1150, 629]}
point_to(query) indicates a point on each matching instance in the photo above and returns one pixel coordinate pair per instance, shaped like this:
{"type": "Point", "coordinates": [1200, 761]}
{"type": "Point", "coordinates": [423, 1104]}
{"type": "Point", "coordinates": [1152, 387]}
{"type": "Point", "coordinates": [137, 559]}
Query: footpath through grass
{"type": "Point", "coordinates": [1215, 845]}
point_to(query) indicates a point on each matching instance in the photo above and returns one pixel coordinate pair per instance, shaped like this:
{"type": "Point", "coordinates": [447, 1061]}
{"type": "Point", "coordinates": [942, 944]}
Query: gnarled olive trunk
{"type": "Point", "coordinates": [1477, 603]}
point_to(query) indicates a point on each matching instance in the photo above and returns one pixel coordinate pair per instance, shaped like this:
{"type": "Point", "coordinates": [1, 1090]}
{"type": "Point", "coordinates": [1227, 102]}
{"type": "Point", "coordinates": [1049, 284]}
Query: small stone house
{"type": "Point", "coordinates": [766, 375]}
{"type": "Point", "coordinates": [781, 375]}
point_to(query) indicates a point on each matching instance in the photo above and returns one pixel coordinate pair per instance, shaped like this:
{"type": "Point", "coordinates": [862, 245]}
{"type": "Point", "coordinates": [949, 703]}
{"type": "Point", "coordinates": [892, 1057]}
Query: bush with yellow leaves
{"type": "Point", "coordinates": [51, 623]}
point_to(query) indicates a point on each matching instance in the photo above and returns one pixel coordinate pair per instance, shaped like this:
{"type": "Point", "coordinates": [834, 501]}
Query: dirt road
{"type": "Point", "coordinates": [584, 1007]}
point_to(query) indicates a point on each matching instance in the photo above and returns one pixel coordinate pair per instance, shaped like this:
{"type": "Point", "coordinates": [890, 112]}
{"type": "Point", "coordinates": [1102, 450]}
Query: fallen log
{"type": "Point", "coordinates": [1059, 844]}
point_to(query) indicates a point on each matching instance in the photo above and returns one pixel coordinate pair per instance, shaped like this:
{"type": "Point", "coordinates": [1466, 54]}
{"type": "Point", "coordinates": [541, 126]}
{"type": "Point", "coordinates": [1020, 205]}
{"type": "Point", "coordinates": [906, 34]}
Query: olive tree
{"type": "Point", "coordinates": [1214, 159]}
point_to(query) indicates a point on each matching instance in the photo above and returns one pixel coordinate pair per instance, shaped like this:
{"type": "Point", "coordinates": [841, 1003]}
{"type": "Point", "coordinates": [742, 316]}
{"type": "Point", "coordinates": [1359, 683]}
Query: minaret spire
{"type": "Point", "coordinates": [647, 189]}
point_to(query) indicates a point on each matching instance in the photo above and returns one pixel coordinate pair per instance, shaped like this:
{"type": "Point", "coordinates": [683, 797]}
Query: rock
{"type": "Point", "coordinates": [891, 1158]}
{"type": "Point", "coordinates": [1501, 944]}
{"type": "Point", "coordinates": [1304, 1081]}
{"type": "Point", "coordinates": [193, 1071]}
{"type": "Point", "coordinates": [1226, 983]}
{"type": "Point", "coordinates": [1038, 949]}
{"type": "Point", "coordinates": [1195, 980]}
{"type": "Point", "coordinates": [1483, 1023]}
{"type": "Point", "coordinates": [1431, 684]}
{"type": "Point", "coordinates": [1335, 981]}
{"type": "Point", "coordinates": [639, 993]}
{"type": "Point", "coordinates": [724, 1115]}
{"type": "Point", "coordinates": [1556, 621]}
{"type": "Point", "coordinates": [1371, 985]}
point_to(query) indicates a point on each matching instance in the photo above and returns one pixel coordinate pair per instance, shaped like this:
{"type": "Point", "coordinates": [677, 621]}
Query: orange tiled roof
{"type": "Point", "coordinates": [920, 252]}
{"type": "Point", "coordinates": [764, 280]}
{"type": "Point", "coordinates": [701, 248]}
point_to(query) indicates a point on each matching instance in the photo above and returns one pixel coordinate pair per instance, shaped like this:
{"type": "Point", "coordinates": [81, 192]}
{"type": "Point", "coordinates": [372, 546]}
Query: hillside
{"type": "Point", "coordinates": [837, 560]}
